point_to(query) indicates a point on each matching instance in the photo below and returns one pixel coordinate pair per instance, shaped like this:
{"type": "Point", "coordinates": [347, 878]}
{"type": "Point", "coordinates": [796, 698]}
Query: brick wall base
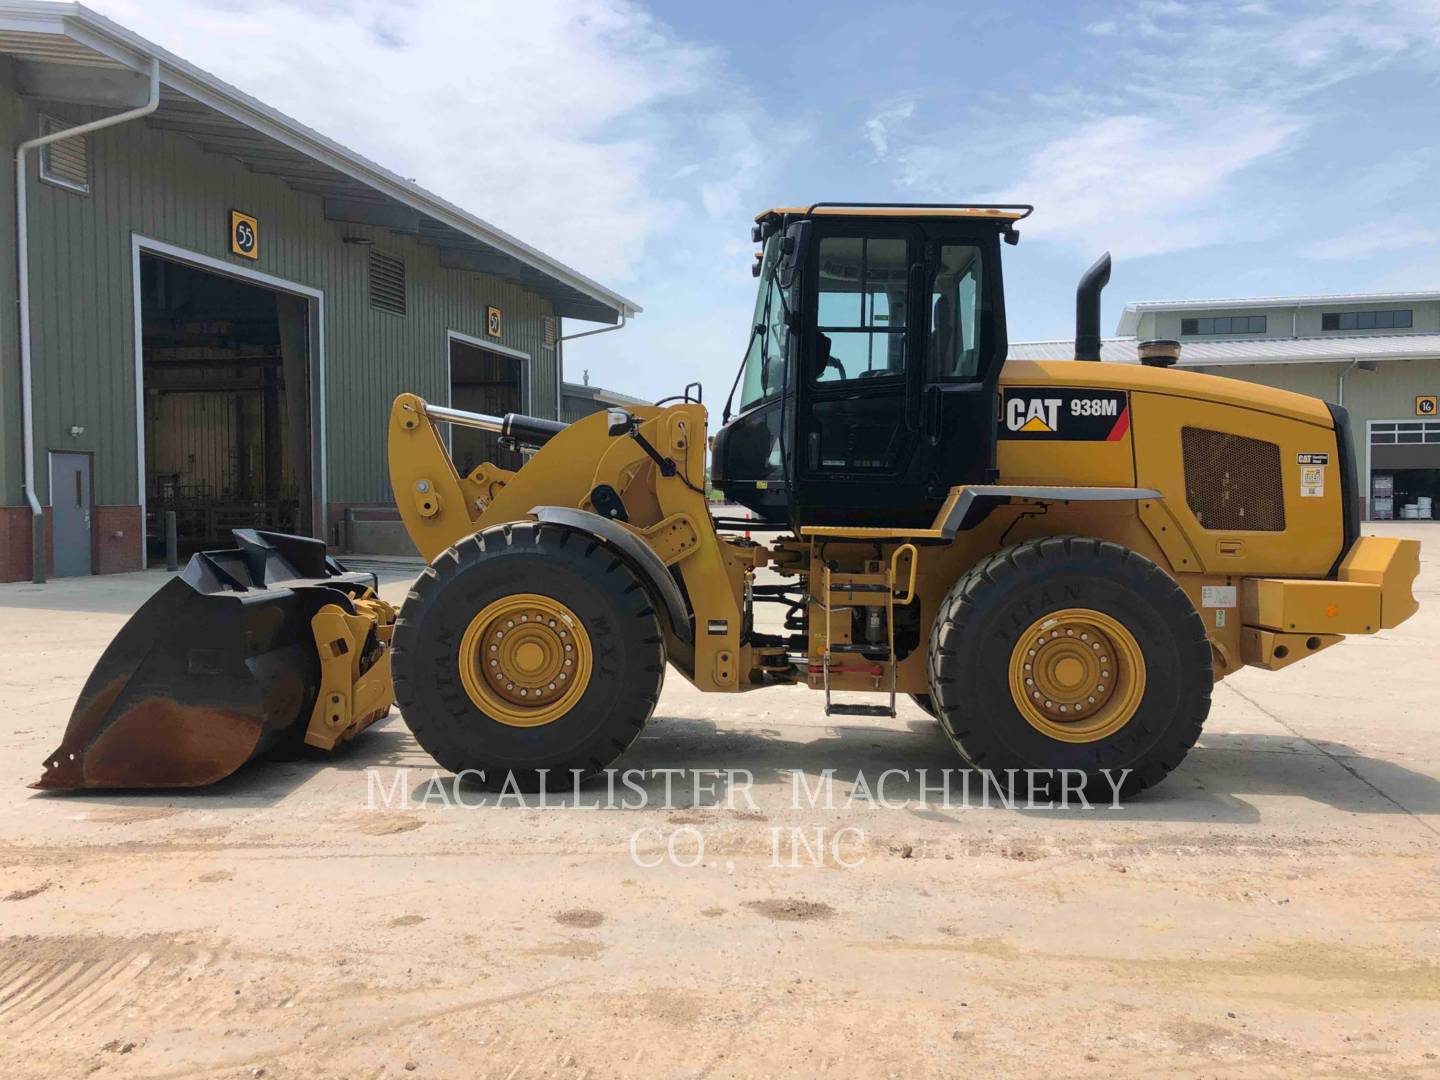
{"type": "Point", "coordinates": [116, 539]}
{"type": "Point", "coordinates": [15, 548]}
{"type": "Point", "coordinates": [109, 553]}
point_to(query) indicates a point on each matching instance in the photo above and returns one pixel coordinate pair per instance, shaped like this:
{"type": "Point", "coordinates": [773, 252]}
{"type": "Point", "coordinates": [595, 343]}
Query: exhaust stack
{"type": "Point", "coordinates": [1087, 309]}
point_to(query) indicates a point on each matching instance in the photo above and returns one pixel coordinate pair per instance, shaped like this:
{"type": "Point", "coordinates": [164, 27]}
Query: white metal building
{"type": "Point", "coordinates": [1378, 354]}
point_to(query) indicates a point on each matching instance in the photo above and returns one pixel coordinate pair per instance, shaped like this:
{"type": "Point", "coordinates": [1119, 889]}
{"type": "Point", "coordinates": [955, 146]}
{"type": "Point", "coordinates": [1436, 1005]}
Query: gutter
{"type": "Point", "coordinates": [27, 411]}
{"type": "Point", "coordinates": [560, 340]}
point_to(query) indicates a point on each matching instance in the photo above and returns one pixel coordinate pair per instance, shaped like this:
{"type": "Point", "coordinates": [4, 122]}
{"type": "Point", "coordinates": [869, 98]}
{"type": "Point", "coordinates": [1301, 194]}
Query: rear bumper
{"type": "Point", "coordinates": [1286, 619]}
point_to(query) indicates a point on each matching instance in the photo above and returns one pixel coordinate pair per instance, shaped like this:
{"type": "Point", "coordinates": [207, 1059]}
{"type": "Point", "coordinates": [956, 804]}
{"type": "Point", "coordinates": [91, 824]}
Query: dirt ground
{"type": "Point", "coordinates": [1271, 909]}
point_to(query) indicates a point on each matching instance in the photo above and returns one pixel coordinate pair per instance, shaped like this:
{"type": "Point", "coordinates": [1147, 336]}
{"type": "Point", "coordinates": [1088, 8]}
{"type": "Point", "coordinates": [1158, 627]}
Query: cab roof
{"type": "Point", "coordinates": [1007, 213]}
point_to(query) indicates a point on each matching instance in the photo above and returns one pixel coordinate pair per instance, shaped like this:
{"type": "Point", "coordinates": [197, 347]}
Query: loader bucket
{"type": "Point", "coordinates": [217, 667]}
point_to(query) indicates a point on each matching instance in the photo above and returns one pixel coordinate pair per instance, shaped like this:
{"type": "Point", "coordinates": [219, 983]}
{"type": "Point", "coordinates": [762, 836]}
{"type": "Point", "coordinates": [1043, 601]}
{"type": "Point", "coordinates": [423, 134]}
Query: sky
{"type": "Point", "coordinates": [1218, 149]}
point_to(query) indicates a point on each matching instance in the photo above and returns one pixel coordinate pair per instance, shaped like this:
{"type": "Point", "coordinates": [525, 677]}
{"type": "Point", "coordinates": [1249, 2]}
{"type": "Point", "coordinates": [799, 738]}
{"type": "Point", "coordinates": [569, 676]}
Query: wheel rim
{"type": "Point", "coordinates": [525, 660]}
{"type": "Point", "coordinates": [1077, 675]}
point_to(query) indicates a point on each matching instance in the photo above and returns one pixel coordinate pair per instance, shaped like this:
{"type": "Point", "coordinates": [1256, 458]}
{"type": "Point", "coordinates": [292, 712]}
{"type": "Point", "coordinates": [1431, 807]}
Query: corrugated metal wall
{"type": "Point", "coordinates": [164, 187]}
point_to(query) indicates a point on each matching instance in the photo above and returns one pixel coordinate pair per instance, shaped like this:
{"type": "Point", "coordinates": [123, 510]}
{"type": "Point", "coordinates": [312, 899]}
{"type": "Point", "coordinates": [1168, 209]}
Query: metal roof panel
{"type": "Point", "coordinates": [1312, 350]}
{"type": "Point", "coordinates": [1130, 317]}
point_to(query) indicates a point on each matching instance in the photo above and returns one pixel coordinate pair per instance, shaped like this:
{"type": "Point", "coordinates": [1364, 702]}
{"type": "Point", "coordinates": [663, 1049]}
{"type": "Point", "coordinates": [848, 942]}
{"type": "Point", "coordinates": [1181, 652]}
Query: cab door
{"type": "Point", "coordinates": [856, 417]}
{"type": "Point", "coordinates": [965, 348]}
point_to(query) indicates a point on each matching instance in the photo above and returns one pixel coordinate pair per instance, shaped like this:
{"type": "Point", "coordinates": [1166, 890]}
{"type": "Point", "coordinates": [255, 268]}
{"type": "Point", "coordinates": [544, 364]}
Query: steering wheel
{"type": "Point", "coordinates": [830, 360]}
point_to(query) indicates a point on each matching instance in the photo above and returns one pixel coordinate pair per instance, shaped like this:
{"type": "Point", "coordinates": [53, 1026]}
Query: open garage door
{"type": "Point", "coordinates": [227, 416]}
{"type": "Point", "coordinates": [488, 381]}
{"type": "Point", "coordinates": [1404, 469]}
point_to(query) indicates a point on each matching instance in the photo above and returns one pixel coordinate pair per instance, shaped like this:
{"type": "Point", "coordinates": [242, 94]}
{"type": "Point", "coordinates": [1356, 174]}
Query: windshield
{"type": "Point", "coordinates": [764, 372]}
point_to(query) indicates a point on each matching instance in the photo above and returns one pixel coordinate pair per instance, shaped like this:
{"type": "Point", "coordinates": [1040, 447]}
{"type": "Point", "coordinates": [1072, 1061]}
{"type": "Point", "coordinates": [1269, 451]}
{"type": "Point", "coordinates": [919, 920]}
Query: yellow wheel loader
{"type": "Point", "coordinates": [1057, 560]}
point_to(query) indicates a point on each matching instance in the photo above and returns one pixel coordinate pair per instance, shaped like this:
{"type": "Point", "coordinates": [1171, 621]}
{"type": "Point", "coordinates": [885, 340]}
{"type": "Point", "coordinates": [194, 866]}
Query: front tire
{"type": "Point", "coordinates": [1071, 653]}
{"type": "Point", "coordinates": [527, 648]}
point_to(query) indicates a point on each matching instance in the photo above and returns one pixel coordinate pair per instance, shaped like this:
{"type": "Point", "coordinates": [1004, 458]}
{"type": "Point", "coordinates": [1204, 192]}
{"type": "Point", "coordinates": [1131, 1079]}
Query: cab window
{"type": "Point", "coordinates": [955, 308]}
{"type": "Point", "coordinates": [862, 305]}
{"type": "Point", "coordinates": [765, 359]}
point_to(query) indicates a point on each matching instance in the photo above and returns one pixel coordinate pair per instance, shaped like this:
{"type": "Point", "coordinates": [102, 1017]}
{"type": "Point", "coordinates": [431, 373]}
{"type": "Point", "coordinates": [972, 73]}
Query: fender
{"type": "Point", "coordinates": [977, 500]}
{"type": "Point", "coordinates": [636, 553]}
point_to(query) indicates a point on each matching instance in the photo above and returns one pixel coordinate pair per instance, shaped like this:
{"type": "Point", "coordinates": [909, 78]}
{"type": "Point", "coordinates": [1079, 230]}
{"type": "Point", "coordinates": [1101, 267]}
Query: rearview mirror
{"type": "Point", "coordinates": [792, 250]}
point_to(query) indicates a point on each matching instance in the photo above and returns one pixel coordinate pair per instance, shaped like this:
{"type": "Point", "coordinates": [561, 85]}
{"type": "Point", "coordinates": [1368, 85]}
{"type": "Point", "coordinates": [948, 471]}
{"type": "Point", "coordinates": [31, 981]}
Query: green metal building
{"type": "Point", "coordinates": [221, 304]}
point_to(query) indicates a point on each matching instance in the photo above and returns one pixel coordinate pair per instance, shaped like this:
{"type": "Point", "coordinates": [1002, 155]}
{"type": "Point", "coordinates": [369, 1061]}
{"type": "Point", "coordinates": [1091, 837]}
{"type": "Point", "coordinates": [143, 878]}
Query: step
{"type": "Point", "coordinates": [882, 649]}
{"type": "Point", "coordinates": [860, 710]}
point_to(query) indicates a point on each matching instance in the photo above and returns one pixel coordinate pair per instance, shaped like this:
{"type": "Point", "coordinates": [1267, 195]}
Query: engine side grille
{"type": "Point", "coordinates": [1233, 483]}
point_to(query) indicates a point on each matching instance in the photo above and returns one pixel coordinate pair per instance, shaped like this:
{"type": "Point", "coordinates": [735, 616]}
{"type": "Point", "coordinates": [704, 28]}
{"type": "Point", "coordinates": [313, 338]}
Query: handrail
{"type": "Point", "coordinates": [914, 564]}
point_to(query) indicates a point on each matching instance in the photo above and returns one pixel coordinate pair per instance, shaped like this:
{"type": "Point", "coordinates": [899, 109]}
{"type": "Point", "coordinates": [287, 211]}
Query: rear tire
{"type": "Point", "coordinates": [441, 649]}
{"type": "Point", "coordinates": [1023, 598]}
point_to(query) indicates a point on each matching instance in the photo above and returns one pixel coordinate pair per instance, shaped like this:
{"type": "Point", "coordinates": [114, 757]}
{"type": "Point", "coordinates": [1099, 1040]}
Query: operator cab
{"type": "Point", "coordinates": [868, 387]}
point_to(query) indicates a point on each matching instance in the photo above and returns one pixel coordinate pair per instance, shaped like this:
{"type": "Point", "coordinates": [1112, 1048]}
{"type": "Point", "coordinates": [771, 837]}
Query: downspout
{"type": "Point", "coordinates": [1344, 374]}
{"type": "Point", "coordinates": [560, 358]}
{"type": "Point", "coordinates": [27, 421]}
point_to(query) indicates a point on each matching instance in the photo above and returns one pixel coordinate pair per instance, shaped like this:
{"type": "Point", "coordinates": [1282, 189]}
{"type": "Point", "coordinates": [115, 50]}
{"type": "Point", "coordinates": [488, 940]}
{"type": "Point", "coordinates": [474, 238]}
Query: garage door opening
{"type": "Point", "coordinates": [1404, 470]}
{"type": "Point", "coordinates": [227, 406]}
{"type": "Point", "coordinates": [486, 381]}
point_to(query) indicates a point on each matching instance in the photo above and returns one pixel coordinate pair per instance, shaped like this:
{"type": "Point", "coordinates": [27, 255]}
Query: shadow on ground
{"type": "Point", "coordinates": [1214, 783]}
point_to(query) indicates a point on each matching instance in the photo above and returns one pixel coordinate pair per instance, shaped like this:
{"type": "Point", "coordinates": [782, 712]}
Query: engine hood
{"type": "Point", "coordinates": [1154, 380]}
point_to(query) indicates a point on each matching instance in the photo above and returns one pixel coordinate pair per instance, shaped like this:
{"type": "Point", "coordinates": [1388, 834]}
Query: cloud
{"type": "Point", "coordinates": [1179, 106]}
{"type": "Point", "coordinates": [583, 127]}
{"type": "Point", "coordinates": [1393, 234]}
{"type": "Point", "coordinates": [878, 128]}
{"type": "Point", "coordinates": [1142, 184]}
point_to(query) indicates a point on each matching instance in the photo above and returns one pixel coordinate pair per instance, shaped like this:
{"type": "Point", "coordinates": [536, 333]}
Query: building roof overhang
{"type": "Point", "coordinates": [67, 53]}
{"type": "Point", "coordinates": [1207, 354]}
{"type": "Point", "coordinates": [1130, 317]}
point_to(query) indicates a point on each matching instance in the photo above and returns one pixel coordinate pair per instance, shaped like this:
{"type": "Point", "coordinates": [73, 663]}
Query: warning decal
{"type": "Point", "coordinates": [1218, 596]}
{"type": "Point", "coordinates": [1068, 414]}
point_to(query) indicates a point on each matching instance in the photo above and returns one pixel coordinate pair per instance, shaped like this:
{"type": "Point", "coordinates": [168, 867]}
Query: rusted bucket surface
{"type": "Point", "coordinates": [217, 667]}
